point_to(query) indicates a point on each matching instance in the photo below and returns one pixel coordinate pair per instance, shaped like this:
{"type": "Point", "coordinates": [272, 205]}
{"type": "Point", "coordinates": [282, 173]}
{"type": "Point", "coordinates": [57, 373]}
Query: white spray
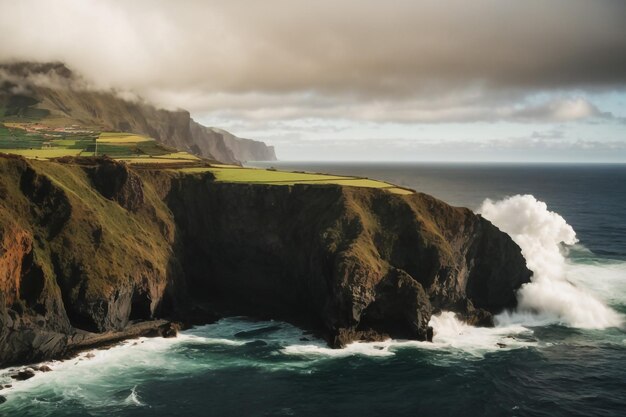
{"type": "Point", "coordinates": [543, 237]}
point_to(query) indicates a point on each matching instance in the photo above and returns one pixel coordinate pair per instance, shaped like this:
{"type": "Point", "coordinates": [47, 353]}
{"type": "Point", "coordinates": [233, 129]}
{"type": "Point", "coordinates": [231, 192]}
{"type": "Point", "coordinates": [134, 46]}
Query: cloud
{"type": "Point", "coordinates": [460, 150]}
{"type": "Point", "coordinates": [547, 134]}
{"type": "Point", "coordinates": [49, 75]}
{"type": "Point", "coordinates": [354, 50]}
{"type": "Point", "coordinates": [255, 108]}
{"type": "Point", "coordinates": [362, 46]}
{"type": "Point", "coordinates": [559, 110]}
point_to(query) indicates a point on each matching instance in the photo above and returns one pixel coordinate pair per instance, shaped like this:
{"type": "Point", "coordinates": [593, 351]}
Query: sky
{"type": "Point", "coordinates": [440, 80]}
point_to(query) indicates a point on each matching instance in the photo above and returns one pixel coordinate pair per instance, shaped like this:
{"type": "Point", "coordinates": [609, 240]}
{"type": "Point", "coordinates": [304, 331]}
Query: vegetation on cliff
{"type": "Point", "coordinates": [91, 245]}
{"type": "Point", "coordinates": [52, 98]}
{"type": "Point", "coordinates": [82, 248]}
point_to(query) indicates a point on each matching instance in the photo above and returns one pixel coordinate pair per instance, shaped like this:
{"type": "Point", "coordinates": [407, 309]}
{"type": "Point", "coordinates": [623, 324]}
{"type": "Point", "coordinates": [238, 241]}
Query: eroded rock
{"type": "Point", "coordinates": [23, 375]}
{"type": "Point", "coordinates": [350, 263]}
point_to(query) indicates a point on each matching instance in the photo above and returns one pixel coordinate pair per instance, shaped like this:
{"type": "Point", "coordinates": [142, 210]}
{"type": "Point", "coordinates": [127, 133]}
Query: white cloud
{"type": "Point", "coordinates": [351, 51]}
{"type": "Point", "coordinates": [311, 65]}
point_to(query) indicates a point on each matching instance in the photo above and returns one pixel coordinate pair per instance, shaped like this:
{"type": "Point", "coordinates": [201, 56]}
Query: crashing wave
{"type": "Point", "coordinates": [552, 296]}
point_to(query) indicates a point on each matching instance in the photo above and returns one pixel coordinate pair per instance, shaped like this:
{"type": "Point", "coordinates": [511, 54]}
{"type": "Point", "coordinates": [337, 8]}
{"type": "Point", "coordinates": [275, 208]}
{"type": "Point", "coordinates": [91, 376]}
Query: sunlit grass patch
{"type": "Point", "coordinates": [42, 153]}
{"type": "Point", "coordinates": [266, 176]}
{"type": "Point", "coordinates": [66, 143]}
{"type": "Point", "coordinates": [118, 137]}
{"type": "Point", "coordinates": [357, 182]}
{"type": "Point", "coordinates": [398, 190]}
{"type": "Point", "coordinates": [225, 166]}
{"type": "Point", "coordinates": [15, 125]}
{"type": "Point", "coordinates": [273, 177]}
{"type": "Point", "coordinates": [180, 155]}
{"type": "Point", "coordinates": [195, 170]}
{"type": "Point", "coordinates": [156, 160]}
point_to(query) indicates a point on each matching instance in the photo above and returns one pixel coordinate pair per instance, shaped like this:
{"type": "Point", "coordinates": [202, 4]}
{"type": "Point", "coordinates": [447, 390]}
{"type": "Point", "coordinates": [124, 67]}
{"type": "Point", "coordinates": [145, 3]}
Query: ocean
{"type": "Point", "coordinates": [562, 353]}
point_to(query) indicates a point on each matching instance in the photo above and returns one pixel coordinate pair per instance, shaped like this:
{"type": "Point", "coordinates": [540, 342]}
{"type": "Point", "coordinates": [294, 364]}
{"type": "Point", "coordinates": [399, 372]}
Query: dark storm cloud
{"type": "Point", "coordinates": [450, 55]}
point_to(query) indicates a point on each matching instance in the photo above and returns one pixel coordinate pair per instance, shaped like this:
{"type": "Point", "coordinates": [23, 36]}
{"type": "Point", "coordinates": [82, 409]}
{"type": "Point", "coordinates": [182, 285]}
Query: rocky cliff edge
{"type": "Point", "coordinates": [91, 249]}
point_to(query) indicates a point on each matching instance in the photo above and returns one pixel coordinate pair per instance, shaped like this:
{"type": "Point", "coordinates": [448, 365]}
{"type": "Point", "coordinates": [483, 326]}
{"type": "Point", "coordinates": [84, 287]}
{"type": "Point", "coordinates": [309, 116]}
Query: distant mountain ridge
{"type": "Point", "coordinates": [54, 90]}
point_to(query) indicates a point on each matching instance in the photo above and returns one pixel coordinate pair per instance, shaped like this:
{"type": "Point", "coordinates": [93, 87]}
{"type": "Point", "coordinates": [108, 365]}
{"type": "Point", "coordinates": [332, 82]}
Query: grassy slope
{"type": "Point", "coordinates": [53, 137]}
{"type": "Point", "coordinates": [128, 242]}
{"type": "Point", "coordinates": [39, 140]}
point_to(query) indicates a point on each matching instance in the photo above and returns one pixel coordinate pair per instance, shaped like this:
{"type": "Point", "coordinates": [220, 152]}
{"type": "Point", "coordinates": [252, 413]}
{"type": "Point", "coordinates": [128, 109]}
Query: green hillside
{"type": "Point", "coordinates": [49, 138]}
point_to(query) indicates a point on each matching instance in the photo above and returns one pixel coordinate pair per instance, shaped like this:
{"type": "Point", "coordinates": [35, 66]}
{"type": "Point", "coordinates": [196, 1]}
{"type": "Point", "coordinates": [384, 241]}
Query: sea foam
{"type": "Point", "coordinates": [554, 295]}
{"type": "Point", "coordinates": [561, 291]}
{"type": "Point", "coordinates": [450, 334]}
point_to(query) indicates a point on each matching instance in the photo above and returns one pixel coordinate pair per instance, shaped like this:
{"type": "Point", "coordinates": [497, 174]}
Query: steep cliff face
{"type": "Point", "coordinates": [89, 246]}
{"type": "Point", "coordinates": [209, 142]}
{"type": "Point", "coordinates": [69, 98]}
{"type": "Point", "coordinates": [246, 149]}
{"type": "Point", "coordinates": [357, 263]}
{"type": "Point", "coordinates": [84, 249]}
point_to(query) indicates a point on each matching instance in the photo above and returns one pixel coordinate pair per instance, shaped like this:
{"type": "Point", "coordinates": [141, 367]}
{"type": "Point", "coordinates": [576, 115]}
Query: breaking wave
{"type": "Point", "coordinates": [570, 286]}
{"type": "Point", "coordinates": [561, 291]}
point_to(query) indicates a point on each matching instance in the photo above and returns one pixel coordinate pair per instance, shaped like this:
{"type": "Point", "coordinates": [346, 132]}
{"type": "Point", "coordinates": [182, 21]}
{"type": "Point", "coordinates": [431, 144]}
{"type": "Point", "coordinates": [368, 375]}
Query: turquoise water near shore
{"type": "Point", "coordinates": [544, 363]}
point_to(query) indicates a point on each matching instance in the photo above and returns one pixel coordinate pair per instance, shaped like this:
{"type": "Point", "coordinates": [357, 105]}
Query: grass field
{"type": "Point", "coordinates": [165, 159]}
{"type": "Point", "coordinates": [38, 139]}
{"type": "Point", "coordinates": [271, 177]}
{"type": "Point", "coordinates": [181, 155]}
{"type": "Point", "coordinates": [42, 153]}
{"type": "Point", "coordinates": [34, 140]}
{"type": "Point", "coordinates": [115, 137]}
{"type": "Point", "coordinates": [176, 157]}
{"type": "Point", "coordinates": [265, 176]}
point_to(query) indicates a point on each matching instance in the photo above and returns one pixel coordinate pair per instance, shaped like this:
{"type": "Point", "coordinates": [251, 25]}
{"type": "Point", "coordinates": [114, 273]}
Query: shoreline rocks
{"type": "Point", "coordinates": [23, 375]}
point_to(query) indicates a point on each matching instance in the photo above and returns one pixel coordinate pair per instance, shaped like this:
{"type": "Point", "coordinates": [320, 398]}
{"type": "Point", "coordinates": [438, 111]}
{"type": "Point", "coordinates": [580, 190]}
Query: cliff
{"type": "Point", "coordinates": [246, 149]}
{"type": "Point", "coordinates": [91, 247]}
{"type": "Point", "coordinates": [53, 91]}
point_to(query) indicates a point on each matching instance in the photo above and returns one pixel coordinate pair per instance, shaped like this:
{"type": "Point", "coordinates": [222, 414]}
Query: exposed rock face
{"type": "Point", "coordinates": [70, 98]}
{"type": "Point", "coordinates": [245, 149]}
{"type": "Point", "coordinates": [358, 263]}
{"type": "Point", "coordinates": [226, 147]}
{"type": "Point", "coordinates": [78, 255]}
{"type": "Point", "coordinates": [23, 375]}
{"type": "Point", "coordinates": [117, 182]}
{"type": "Point", "coordinates": [209, 142]}
{"type": "Point", "coordinates": [16, 247]}
{"type": "Point", "coordinates": [121, 246]}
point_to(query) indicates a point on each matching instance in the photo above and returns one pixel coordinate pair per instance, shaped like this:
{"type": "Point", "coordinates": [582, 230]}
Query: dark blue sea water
{"type": "Point", "coordinates": [554, 361]}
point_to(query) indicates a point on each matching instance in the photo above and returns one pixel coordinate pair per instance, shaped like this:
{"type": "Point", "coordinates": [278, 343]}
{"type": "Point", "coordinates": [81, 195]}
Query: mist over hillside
{"type": "Point", "coordinates": [53, 91]}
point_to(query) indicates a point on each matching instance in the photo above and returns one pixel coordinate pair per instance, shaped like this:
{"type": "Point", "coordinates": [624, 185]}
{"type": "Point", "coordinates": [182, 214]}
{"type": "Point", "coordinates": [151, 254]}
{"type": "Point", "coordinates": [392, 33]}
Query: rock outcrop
{"type": "Point", "coordinates": [93, 251]}
{"type": "Point", "coordinates": [245, 149]}
{"type": "Point", "coordinates": [78, 255]}
{"type": "Point", "coordinates": [357, 263]}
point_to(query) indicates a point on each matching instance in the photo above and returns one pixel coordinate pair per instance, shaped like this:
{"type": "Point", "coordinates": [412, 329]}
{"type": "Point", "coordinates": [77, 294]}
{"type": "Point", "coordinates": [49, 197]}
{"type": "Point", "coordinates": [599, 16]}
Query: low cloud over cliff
{"type": "Point", "coordinates": [406, 61]}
